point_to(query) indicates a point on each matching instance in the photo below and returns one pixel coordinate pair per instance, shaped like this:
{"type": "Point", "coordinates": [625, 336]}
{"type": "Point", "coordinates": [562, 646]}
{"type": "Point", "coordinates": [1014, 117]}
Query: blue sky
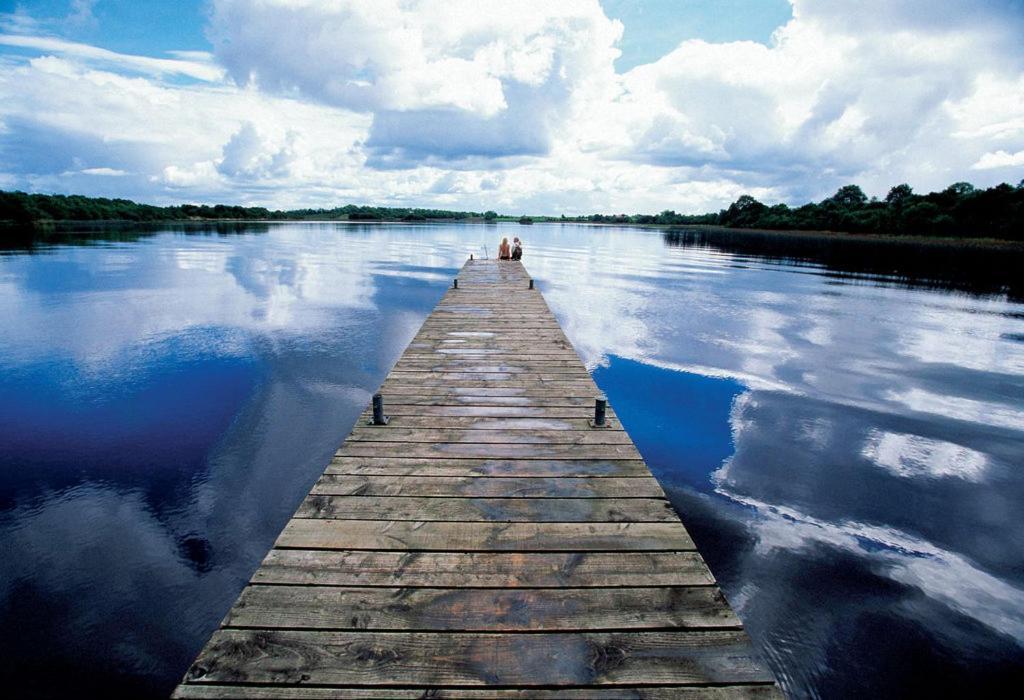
{"type": "Point", "coordinates": [654, 27]}
{"type": "Point", "coordinates": [148, 27]}
{"type": "Point", "coordinates": [575, 106]}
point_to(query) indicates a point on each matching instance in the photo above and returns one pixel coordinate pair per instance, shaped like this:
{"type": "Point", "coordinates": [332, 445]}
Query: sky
{"type": "Point", "coordinates": [533, 106]}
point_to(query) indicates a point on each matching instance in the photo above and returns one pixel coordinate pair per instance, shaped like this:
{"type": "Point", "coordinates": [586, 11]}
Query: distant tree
{"type": "Point", "coordinates": [490, 215]}
{"type": "Point", "coordinates": [960, 189]}
{"type": "Point", "coordinates": [745, 212]}
{"type": "Point", "coordinates": [899, 195]}
{"type": "Point", "coordinates": [918, 218]}
{"type": "Point", "coordinates": [849, 197]}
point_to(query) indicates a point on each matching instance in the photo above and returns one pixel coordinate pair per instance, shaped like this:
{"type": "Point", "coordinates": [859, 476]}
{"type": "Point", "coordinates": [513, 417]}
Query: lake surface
{"type": "Point", "coordinates": [846, 445]}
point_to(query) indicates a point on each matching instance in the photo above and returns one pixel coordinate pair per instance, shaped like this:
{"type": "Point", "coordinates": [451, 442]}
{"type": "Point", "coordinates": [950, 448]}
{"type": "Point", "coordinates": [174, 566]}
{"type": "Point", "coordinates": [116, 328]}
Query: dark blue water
{"type": "Point", "coordinates": [846, 446]}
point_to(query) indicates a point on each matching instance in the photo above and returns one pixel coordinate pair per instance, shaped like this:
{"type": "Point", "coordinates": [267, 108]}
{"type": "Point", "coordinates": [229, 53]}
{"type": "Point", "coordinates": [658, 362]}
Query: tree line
{"type": "Point", "coordinates": [959, 210]}
{"type": "Point", "coordinates": [22, 208]}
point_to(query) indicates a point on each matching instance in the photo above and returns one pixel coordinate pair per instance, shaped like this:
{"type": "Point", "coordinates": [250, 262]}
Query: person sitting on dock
{"type": "Point", "coordinates": [504, 253]}
{"type": "Point", "coordinates": [517, 249]}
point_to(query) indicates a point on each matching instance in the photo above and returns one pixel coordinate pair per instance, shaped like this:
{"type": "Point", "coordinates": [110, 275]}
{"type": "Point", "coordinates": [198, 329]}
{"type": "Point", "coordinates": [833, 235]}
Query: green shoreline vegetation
{"type": "Point", "coordinates": [959, 212]}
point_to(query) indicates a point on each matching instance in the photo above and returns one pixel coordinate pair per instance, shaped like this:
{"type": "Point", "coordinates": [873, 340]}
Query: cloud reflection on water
{"type": "Point", "coordinates": [880, 426]}
{"type": "Point", "coordinates": [132, 517]}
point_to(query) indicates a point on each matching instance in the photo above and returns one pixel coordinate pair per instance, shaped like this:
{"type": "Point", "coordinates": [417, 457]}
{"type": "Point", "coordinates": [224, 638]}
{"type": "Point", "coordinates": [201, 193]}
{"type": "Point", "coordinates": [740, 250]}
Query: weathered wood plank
{"type": "Point", "coordinates": [524, 510]}
{"type": "Point", "coordinates": [501, 349]}
{"type": "Point", "coordinates": [389, 433]}
{"type": "Point", "coordinates": [548, 336]}
{"type": "Point", "coordinates": [497, 451]}
{"type": "Point", "coordinates": [472, 365]}
{"type": "Point", "coordinates": [481, 323]}
{"type": "Point", "coordinates": [313, 533]}
{"type": "Point", "coordinates": [480, 609]}
{"type": "Point", "coordinates": [482, 570]}
{"type": "Point", "coordinates": [576, 387]}
{"type": "Point", "coordinates": [487, 319]}
{"type": "Point", "coordinates": [517, 350]}
{"type": "Point", "coordinates": [569, 467]}
{"type": "Point", "coordinates": [512, 339]}
{"type": "Point", "coordinates": [412, 417]}
{"type": "Point", "coordinates": [504, 369]}
{"type": "Point", "coordinates": [578, 390]}
{"type": "Point", "coordinates": [480, 487]}
{"type": "Point", "coordinates": [675, 692]}
{"type": "Point", "coordinates": [545, 335]}
{"type": "Point", "coordinates": [474, 404]}
{"type": "Point", "coordinates": [509, 378]}
{"type": "Point", "coordinates": [477, 659]}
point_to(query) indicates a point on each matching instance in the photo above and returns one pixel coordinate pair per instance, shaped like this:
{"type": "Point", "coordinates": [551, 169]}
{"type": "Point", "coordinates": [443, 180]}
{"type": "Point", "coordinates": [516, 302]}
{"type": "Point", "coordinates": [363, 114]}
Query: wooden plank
{"type": "Point", "coordinates": [522, 364]}
{"type": "Point", "coordinates": [500, 368]}
{"type": "Point", "coordinates": [487, 320]}
{"type": "Point", "coordinates": [440, 351]}
{"type": "Point", "coordinates": [389, 433]}
{"type": "Point", "coordinates": [480, 487]}
{"type": "Point", "coordinates": [470, 385]}
{"type": "Point", "coordinates": [482, 569]}
{"type": "Point", "coordinates": [675, 692]}
{"type": "Point", "coordinates": [516, 327]}
{"type": "Point", "coordinates": [411, 417]}
{"type": "Point", "coordinates": [499, 451]}
{"type": "Point", "coordinates": [545, 334]}
{"type": "Point", "coordinates": [494, 350]}
{"type": "Point", "coordinates": [443, 404]}
{"type": "Point", "coordinates": [551, 341]}
{"type": "Point", "coordinates": [511, 340]}
{"type": "Point", "coordinates": [312, 533]}
{"type": "Point", "coordinates": [579, 393]}
{"type": "Point", "coordinates": [514, 347]}
{"type": "Point", "coordinates": [519, 510]}
{"type": "Point", "coordinates": [400, 466]}
{"type": "Point", "coordinates": [474, 378]}
{"type": "Point", "coordinates": [500, 349]}
{"type": "Point", "coordinates": [477, 659]}
{"type": "Point", "coordinates": [480, 609]}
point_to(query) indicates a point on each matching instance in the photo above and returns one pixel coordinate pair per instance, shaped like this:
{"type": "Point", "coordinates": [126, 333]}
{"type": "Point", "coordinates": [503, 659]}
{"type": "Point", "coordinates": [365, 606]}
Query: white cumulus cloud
{"type": "Point", "coordinates": [999, 159]}
{"type": "Point", "coordinates": [518, 107]}
{"type": "Point", "coordinates": [445, 79]}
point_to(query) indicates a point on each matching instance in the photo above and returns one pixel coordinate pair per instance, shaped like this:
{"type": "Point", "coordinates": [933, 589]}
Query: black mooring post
{"type": "Point", "coordinates": [470, 256]}
{"type": "Point", "coordinates": [455, 283]}
{"type": "Point", "coordinates": [378, 411]}
{"type": "Point", "coordinates": [531, 284]}
{"type": "Point", "coordinates": [600, 406]}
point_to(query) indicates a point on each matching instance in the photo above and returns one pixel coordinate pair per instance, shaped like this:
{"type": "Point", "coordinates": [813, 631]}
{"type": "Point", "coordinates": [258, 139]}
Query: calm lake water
{"type": "Point", "coordinates": [846, 445]}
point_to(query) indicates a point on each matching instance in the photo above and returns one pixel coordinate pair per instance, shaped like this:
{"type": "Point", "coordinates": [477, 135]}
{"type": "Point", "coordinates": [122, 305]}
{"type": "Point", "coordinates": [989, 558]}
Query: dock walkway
{"type": "Point", "coordinates": [486, 543]}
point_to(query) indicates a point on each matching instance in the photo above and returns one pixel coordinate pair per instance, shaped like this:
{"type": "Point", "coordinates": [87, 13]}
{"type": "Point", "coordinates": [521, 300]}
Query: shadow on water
{"type": "Point", "coordinates": [907, 263]}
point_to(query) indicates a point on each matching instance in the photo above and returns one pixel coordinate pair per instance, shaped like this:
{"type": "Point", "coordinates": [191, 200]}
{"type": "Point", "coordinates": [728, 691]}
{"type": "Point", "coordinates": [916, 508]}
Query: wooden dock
{"type": "Point", "coordinates": [486, 543]}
